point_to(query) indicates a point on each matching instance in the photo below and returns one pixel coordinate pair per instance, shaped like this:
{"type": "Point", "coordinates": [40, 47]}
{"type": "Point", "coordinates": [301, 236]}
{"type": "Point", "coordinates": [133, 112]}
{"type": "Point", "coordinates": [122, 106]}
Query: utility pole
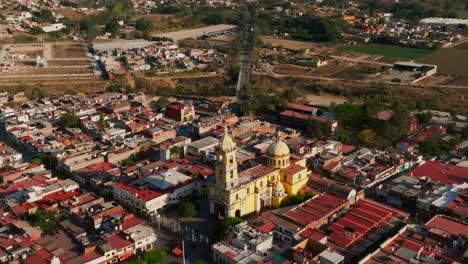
{"type": "Point", "coordinates": [183, 252]}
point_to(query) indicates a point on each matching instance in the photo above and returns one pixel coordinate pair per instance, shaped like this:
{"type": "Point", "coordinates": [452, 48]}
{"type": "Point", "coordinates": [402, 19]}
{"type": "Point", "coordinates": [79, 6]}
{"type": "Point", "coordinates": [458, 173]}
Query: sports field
{"type": "Point", "coordinates": [388, 51]}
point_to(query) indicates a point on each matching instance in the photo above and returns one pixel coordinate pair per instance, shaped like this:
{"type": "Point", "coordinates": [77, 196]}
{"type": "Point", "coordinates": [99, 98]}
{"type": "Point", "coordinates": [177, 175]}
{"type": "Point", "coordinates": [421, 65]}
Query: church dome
{"type": "Point", "coordinates": [278, 149]}
{"type": "Point", "coordinates": [226, 142]}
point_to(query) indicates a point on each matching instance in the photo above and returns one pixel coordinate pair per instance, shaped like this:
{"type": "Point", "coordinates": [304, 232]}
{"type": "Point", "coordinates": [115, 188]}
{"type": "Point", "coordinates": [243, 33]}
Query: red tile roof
{"type": "Point", "coordinates": [363, 219]}
{"type": "Point", "coordinates": [301, 107]}
{"type": "Point", "coordinates": [292, 169]}
{"type": "Point", "coordinates": [448, 225]}
{"type": "Point", "coordinates": [267, 227]}
{"type": "Point", "coordinates": [442, 172]}
{"type": "Point", "coordinates": [312, 234]}
{"type": "Point", "coordinates": [117, 242]}
{"type": "Point", "coordinates": [143, 193]}
{"type": "Point", "coordinates": [315, 209]}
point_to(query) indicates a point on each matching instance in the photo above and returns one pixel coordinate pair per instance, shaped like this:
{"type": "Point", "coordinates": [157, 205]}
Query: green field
{"type": "Point", "coordinates": [388, 51]}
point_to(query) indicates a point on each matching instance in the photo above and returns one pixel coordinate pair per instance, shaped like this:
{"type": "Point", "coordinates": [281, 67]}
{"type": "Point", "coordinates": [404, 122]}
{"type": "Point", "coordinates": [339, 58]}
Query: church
{"type": "Point", "coordinates": [265, 185]}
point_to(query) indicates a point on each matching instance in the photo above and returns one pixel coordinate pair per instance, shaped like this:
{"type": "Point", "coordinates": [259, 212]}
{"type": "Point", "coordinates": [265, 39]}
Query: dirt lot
{"type": "Point", "coordinates": [68, 51]}
{"type": "Point", "coordinates": [324, 100]}
{"type": "Point", "coordinates": [52, 63]}
{"type": "Point", "coordinates": [70, 13]}
{"type": "Point", "coordinates": [289, 44]}
{"type": "Point", "coordinates": [462, 46]}
{"type": "Point", "coordinates": [47, 71]}
{"type": "Point", "coordinates": [55, 86]}
{"type": "Point", "coordinates": [451, 61]}
{"type": "Point", "coordinates": [333, 69]}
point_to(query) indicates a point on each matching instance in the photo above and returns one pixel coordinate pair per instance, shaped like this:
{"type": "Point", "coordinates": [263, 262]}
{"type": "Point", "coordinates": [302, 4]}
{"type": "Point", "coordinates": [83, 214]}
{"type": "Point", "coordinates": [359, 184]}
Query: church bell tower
{"type": "Point", "coordinates": [226, 164]}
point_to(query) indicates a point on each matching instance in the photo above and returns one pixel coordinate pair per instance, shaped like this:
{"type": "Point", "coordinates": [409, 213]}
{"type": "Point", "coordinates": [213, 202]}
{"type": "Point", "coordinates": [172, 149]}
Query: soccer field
{"type": "Point", "coordinates": [388, 51]}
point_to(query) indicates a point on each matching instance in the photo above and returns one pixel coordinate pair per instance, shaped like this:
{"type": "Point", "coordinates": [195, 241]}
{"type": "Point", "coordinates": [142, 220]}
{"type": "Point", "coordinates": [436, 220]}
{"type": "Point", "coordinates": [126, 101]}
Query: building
{"type": "Point", "coordinates": [244, 244]}
{"type": "Point", "coordinates": [180, 112]}
{"type": "Point", "coordinates": [366, 223]}
{"type": "Point", "coordinates": [238, 194]}
{"type": "Point", "coordinates": [203, 146]}
{"type": "Point", "coordinates": [442, 172]}
{"type": "Point", "coordinates": [440, 240]}
{"type": "Point", "coordinates": [150, 193]}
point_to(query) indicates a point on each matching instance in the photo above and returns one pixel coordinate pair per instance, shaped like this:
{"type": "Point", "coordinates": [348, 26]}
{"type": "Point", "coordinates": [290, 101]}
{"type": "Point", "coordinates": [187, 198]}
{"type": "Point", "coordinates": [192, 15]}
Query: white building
{"type": "Point", "coordinates": [53, 27]}
{"type": "Point", "coordinates": [153, 192]}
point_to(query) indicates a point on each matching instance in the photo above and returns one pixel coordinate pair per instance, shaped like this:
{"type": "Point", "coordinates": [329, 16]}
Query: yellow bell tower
{"type": "Point", "coordinates": [279, 193]}
{"type": "Point", "coordinates": [226, 164]}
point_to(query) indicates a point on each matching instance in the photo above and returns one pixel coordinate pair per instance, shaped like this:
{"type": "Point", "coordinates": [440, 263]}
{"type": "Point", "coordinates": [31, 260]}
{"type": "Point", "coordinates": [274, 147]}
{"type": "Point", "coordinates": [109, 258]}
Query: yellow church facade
{"type": "Point", "coordinates": [265, 185]}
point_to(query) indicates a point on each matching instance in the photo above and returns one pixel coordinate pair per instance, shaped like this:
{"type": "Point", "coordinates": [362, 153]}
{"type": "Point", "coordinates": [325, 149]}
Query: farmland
{"type": "Point", "coordinates": [452, 61]}
{"type": "Point", "coordinates": [395, 52]}
{"type": "Point", "coordinates": [63, 63]}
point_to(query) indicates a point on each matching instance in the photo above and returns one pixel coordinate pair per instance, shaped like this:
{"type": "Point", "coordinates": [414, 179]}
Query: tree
{"type": "Point", "coordinates": [367, 136]}
{"type": "Point", "coordinates": [344, 139]}
{"type": "Point", "coordinates": [162, 103]}
{"type": "Point", "coordinates": [309, 27]}
{"type": "Point", "coordinates": [69, 120]}
{"type": "Point", "coordinates": [113, 27]}
{"type": "Point", "coordinates": [89, 28]}
{"type": "Point", "coordinates": [47, 221]}
{"type": "Point", "coordinates": [144, 25]}
{"type": "Point", "coordinates": [41, 159]}
{"type": "Point", "coordinates": [44, 16]}
{"type": "Point", "coordinates": [424, 118]}
{"type": "Point", "coordinates": [187, 209]}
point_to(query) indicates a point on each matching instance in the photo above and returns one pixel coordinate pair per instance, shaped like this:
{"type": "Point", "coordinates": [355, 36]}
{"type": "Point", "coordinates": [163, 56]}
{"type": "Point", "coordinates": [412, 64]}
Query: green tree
{"type": "Point", "coordinates": [367, 136]}
{"type": "Point", "coordinates": [144, 25]}
{"type": "Point", "coordinates": [69, 120]}
{"type": "Point", "coordinates": [344, 139]}
{"type": "Point", "coordinates": [187, 209]}
{"type": "Point", "coordinates": [424, 118]}
{"type": "Point", "coordinates": [43, 16]}
{"type": "Point", "coordinates": [41, 159]}
{"type": "Point", "coordinates": [47, 221]}
{"type": "Point", "coordinates": [113, 27]}
{"type": "Point", "coordinates": [162, 103]}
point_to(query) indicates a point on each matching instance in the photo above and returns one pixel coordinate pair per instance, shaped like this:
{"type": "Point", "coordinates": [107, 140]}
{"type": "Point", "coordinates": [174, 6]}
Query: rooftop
{"type": "Point", "coordinates": [443, 172]}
